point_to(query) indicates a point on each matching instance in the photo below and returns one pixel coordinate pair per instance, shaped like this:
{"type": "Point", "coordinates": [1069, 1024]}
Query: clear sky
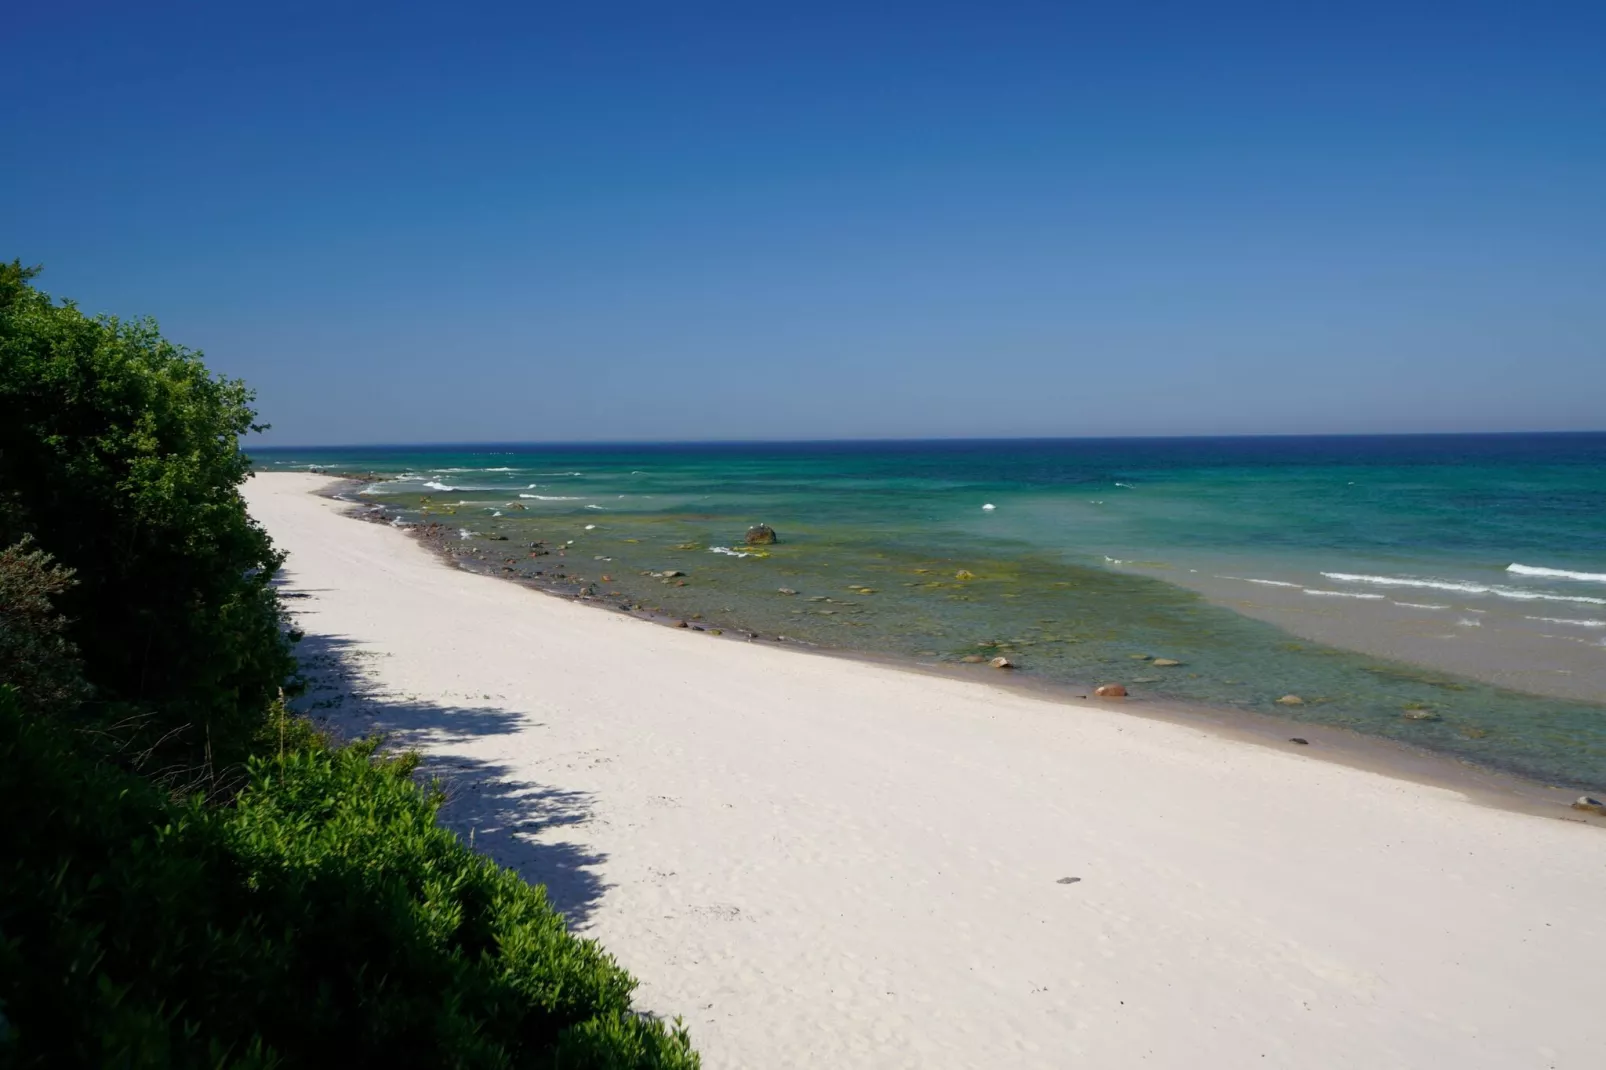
{"type": "Point", "coordinates": [683, 220]}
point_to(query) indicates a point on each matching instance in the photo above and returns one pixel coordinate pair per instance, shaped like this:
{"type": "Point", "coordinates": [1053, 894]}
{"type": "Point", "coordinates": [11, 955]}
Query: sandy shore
{"type": "Point", "coordinates": [823, 863]}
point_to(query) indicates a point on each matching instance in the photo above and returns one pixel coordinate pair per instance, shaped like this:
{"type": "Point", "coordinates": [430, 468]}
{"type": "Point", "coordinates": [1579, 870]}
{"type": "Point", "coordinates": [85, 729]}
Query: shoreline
{"type": "Point", "coordinates": [1485, 784]}
{"type": "Point", "coordinates": [823, 861]}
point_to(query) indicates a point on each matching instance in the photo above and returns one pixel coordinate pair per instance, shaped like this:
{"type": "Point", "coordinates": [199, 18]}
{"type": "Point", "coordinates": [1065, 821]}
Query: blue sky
{"type": "Point", "coordinates": [695, 221]}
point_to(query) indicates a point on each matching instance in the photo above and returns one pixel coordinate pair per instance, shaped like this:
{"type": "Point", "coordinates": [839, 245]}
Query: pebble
{"type": "Point", "coordinates": [1110, 691]}
{"type": "Point", "coordinates": [1001, 663]}
{"type": "Point", "coordinates": [1302, 741]}
{"type": "Point", "coordinates": [1165, 663]}
{"type": "Point", "coordinates": [1590, 805]}
{"type": "Point", "coordinates": [1290, 700]}
{"type": "Point", "coordinates": [786, 590]}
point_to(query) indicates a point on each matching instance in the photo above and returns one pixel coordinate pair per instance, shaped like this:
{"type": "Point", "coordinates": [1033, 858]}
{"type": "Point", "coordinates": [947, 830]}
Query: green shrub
{"type": "Point", "coordinates": [119, 453]}
{"type": "Point", "coordinates": [322, 919]}
{"type": "Point", "coordinates": [35, 655]}
{"type": "Point", "coordinates": [303, 910]}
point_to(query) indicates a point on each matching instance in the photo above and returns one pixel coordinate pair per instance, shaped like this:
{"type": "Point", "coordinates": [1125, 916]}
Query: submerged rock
{"type": "Point", "coordinates": [964, 574]}
{"type": "Point", "coordinates": [1165, 663]}
{"type": "Point", "coordinates": [1290, 700]}
{"type": "Point", "coordinates": [1110, 691]}
{"type": "Point", "coordinates": [1001, 663]}
{"type": "Point", "coordinates": [761, 535]}
{"type": "Point", "coordinates": [786, 590]}
{"type": "Point", "coordinates": [972, 659]}
{"type": "Point", "coordinates": [1420, 715]}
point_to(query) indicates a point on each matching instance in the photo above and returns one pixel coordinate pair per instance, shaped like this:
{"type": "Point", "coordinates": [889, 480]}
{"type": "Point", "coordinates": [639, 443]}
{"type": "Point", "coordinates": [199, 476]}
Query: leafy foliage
{"type": "Point", "coordinates": [119, 453]}
{"type": "Point", "coordinates": [34, 651]}
{"type": "Point", "coordinates": [323, 919]}
{"type": "Point", "coordinates": [316, 916]}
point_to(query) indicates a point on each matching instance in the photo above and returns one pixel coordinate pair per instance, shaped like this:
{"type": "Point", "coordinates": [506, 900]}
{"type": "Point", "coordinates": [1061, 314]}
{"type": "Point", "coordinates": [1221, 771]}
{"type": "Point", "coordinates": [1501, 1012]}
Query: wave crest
{"type": "Point", "coordinates": [1520, 594]}
{"type": "Point", "coordinates": [1555, 573]}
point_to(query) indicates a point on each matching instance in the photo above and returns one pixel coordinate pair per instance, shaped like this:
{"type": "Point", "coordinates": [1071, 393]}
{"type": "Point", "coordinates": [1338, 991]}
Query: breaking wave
{"type": "Point", "coordinates": [1555, 573]}
{"type": "Point", "coordinates": [1586, 623]}
{"type": "Point", "coordinates": [1521, 594]}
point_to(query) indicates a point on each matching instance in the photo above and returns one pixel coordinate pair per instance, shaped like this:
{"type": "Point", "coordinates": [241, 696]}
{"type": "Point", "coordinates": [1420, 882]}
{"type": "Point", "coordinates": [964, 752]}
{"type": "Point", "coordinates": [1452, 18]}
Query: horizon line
{"type": "Point", "coordinates": [593, 443]}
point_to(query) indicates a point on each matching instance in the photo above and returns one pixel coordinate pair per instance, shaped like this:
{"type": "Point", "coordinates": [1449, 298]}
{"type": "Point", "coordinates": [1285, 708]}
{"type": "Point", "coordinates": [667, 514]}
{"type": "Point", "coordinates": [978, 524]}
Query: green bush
{"type": "Point", "coordinates": [35, 654]}
{"type": "Point", "coordinates": [322, 919]}
{"type": "Point", "coordinates": [301, 907]}
{"type": "Point", "coordinates": [119, 453]}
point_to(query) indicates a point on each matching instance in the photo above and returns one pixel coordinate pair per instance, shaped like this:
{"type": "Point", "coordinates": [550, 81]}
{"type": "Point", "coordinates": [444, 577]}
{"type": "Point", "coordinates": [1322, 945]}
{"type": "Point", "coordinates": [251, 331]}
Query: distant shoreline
{"type": "Point", "coordinates": [1488, 785]}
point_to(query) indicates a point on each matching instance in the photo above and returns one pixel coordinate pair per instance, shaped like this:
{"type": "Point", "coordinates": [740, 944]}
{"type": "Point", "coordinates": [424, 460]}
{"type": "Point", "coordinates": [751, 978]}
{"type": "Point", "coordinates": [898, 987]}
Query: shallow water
{"type": "Point", "coordinates": [1370, 576]}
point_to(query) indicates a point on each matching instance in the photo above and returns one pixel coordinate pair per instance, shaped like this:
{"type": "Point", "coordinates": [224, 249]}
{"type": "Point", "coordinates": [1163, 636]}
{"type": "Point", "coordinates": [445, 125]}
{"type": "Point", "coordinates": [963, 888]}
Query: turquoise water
{"type": "Point", "coordinates": [1448, 591]}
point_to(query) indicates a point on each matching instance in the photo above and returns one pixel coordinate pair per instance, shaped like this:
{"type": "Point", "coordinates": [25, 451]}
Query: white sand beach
{"type": "Point", "coordinates": [818, 862]}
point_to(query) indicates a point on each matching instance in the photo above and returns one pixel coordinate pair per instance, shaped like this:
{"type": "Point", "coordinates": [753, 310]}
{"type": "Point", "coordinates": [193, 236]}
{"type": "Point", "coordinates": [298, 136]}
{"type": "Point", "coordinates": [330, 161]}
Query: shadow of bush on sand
{"type": "Point", "coordinates": [514, 822]}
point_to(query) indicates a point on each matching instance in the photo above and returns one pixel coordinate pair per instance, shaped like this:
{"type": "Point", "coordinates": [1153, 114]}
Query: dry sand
{"type": "Point", "coordinates": [824, 863]}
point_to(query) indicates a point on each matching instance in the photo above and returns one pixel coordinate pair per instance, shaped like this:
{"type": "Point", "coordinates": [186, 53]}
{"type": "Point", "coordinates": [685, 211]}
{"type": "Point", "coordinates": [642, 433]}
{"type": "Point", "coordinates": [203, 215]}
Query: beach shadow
{"type": "Point", "coordinates": [516, 823]}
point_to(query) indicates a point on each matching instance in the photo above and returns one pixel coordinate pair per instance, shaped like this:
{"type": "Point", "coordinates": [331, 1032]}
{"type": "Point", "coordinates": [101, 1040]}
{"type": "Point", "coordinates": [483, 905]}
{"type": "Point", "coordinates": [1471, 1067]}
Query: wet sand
{"type": "Point", "coordinates": [1529, 648]}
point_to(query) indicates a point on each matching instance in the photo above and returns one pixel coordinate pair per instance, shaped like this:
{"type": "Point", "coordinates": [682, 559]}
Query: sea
{"type": "Point", "coordinates": [1444, 591]}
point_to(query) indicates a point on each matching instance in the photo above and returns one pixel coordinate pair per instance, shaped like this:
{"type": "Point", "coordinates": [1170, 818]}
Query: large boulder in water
{"type": "Point", "coordinates": [761, 535]}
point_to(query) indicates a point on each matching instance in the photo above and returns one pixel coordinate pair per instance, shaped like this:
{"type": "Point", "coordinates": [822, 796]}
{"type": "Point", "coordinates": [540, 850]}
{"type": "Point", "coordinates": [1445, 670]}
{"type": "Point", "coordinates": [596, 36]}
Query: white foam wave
{"type": "Point", "coordinates": [1521, 594]}
{"type": "Point", "coordinates": [499, 469]}
{"type": "Point", "coordinates": [464, 533]}
{"type": "Point", "coordinates": [1420, 605]}
{"type": "Point", "coordinates": [1128, 486]}
{"type": "Point", "coordinates": [432, 485]}
{"type": "Point", "coordinates": [1263, 583]}
{"type": "Point", "coordinates": [1585, 623]}
{"type": "Point", "coordinates": [1406, 581]}
{"type": "Point", "coordinates": [1470, 622]}
{"type": "Point", "coordinates": [593, 507]}
{"type": "Point", "coordinates": [1556, 573]}
{"type": "Point", "coordinates": [728, 551]}
{"type": "Point", "coordinates": [560, 473]}
{"type": "Point", "coordinates": [550, 497]}
{"type": "Point", "coordinates": [1342, 594]}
